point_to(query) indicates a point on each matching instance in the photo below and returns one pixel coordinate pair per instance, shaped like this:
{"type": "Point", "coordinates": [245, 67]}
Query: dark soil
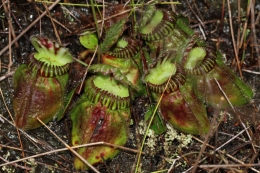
{"type": "Point", "coordinates": [239, 154]}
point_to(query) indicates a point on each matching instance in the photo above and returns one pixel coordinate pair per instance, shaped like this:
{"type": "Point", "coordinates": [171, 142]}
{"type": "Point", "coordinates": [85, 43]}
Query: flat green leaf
{"type": "Point", "coordinates": [89, 40]}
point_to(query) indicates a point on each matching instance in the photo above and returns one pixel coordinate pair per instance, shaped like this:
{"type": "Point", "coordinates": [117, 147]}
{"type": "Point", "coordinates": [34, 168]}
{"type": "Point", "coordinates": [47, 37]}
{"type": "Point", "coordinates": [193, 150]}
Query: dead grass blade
{"type": "Point", "coordinates": [29, 27]}
{"type": "Point", "coordinates": [233, 39]}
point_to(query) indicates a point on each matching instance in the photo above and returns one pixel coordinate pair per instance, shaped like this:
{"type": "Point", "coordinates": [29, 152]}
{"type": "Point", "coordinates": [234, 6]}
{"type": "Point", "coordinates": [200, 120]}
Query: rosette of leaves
{"type": "Point", "coordinates": [216, 83]}
{"type": "Point", "coordinates": [179, 105]}
{"type": "Point", "coordinates": [39, 85]}
{"type": "Point", "coordinates": [101, 114]}
{"type": "Point", "coordinates": [164, 31]}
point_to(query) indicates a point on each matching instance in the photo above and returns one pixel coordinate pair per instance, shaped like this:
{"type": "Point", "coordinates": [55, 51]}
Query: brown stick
{"type": "Point", "coordinates": [8, 16]}
{"type": "Point", "coordinates": [29, 27]}
{"type": "Point", "coordinates": [233, 39]}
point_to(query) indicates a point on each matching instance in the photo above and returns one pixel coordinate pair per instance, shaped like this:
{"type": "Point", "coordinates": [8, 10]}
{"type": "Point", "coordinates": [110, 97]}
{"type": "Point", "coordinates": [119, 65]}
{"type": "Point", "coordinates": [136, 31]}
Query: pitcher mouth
{"type": "Point", "coordinates": [159, 26]}
{"type": "Point", "coordinates": [111, 98]}
{"type": "Point", "coordinates": [173, 72]}
{"type": "Point", "coordinates": [202, 64]}
{"type": "Point", "coordinates": [47, 69]}
{"type": "Point", "coordinates": [51, 59]}
{"type": "Point", "coordinates": [127, 48]}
